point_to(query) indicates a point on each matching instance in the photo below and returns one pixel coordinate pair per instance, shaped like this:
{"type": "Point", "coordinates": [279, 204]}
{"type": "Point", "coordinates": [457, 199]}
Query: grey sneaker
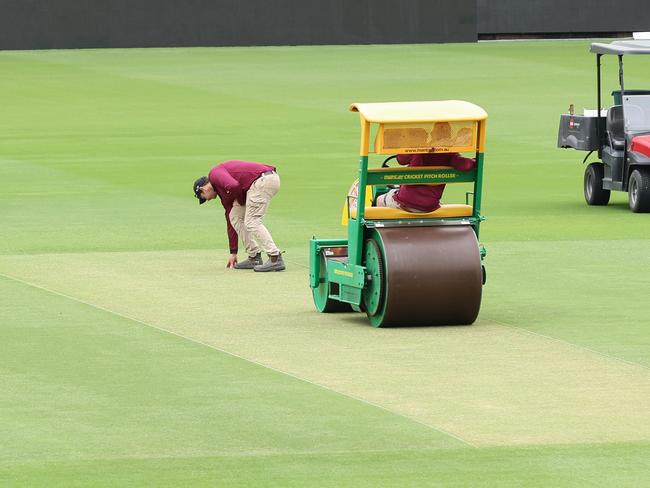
{"type": "Point", "coordinates": [250, 263]}
{"type": "Point", "coordinates": [270, 265]}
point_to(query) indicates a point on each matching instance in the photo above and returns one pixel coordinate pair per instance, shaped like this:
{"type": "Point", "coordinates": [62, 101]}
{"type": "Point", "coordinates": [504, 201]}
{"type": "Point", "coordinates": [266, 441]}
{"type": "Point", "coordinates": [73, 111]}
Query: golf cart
{"type": "Point", "coordinates": [404, 268]}
{"type": "Point", "coordinates": [620, 135]}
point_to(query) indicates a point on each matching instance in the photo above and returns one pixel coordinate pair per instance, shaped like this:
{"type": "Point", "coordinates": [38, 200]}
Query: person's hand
{"type": "Point", "coordinates": [232, 260]}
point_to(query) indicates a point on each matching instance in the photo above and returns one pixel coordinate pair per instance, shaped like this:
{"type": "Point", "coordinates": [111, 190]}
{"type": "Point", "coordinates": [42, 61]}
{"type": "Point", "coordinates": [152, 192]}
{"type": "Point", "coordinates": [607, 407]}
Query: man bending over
{"type": "Point", "coordinates": [245, 190]}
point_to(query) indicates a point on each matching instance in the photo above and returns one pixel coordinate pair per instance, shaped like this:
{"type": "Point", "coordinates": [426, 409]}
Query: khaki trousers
{"type": "Point", "coordinates": [388, 200]}
{"type": "Point", "coordinates": [247, 219]}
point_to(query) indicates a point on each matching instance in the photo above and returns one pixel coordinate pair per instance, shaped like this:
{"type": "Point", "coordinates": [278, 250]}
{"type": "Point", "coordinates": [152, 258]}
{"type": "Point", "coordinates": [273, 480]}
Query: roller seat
{"type": "Point", "coordinates": [450, 210]}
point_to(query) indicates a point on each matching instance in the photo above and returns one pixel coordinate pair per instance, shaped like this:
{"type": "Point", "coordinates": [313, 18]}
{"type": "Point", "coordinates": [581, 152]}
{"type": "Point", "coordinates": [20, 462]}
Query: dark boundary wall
{"type": "Point", "coordinates": [47, 24]}
{"type": "Point", "coordinates": [570, 17]}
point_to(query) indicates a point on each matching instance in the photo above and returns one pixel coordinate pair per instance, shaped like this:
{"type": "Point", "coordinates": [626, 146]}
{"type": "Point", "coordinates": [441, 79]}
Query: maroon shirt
{"type": "Point", "coordinates": [427, 197]}
{"type": "Point", "coordinates": [231, 180]}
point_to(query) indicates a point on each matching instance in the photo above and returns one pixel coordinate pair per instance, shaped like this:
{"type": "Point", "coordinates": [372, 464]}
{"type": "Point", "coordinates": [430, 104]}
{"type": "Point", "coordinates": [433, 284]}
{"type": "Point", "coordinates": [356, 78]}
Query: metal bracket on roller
{"type": "Point", "coordinates": [415, 223]}
{"type": "Point", "coordinates": [347, 274]}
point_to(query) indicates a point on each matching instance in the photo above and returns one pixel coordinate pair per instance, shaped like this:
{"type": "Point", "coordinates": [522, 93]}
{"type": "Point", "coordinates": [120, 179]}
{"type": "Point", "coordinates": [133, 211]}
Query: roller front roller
{"type": "Point", "coordinates": [321, 294]}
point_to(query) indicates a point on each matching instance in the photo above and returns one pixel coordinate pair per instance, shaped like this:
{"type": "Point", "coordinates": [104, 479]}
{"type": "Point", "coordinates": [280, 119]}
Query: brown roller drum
{"type": "Point", "coordinates": [432, 276]}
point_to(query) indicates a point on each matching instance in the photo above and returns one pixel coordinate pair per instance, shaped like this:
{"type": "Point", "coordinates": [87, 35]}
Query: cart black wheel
{"type": "Point", "coordinates": [593, 187]}
{"type": "Point", "coordinates": [638, 190]}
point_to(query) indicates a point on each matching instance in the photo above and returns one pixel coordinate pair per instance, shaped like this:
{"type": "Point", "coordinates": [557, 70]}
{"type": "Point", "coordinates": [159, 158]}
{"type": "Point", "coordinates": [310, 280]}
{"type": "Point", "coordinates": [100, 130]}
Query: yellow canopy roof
{"type": "Point", "coordinates": [434, 111]}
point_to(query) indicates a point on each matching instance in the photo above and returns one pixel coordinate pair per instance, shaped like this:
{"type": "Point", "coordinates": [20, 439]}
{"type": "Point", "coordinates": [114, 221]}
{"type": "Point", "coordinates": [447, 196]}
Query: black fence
{"type": "Point", "coordinates": [561, 17]}
{"type": "Point", "coordinates": [47, 24]}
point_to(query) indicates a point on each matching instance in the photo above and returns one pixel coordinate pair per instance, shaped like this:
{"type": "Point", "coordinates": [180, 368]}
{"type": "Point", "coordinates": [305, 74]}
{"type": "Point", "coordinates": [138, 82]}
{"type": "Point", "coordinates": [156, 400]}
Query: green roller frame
{"type": "Point", "coordinates": [355, 280]}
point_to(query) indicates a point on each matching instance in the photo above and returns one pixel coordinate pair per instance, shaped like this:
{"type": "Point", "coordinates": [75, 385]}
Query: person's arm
{"type": "Point", "coordinates": [233, 238]}
{"type": "Point", "coordinates": [461, 163]}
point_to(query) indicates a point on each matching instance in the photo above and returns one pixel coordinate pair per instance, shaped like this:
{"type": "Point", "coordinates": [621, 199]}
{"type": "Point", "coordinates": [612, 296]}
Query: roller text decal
{"type": "Point", "coordinates": [343, 273]}
{"type": "Point", "coordinates": [420, 176]}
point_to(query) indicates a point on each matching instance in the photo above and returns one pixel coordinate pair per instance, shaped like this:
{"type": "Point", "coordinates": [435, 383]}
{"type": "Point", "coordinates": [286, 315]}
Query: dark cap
{"type": "Point", "coordinates": [202, 181]}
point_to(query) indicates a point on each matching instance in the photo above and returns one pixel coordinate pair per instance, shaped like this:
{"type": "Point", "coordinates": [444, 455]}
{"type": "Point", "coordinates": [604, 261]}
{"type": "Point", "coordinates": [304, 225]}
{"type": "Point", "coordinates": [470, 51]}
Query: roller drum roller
{"type": "Point", "coordinates": [431, 276]}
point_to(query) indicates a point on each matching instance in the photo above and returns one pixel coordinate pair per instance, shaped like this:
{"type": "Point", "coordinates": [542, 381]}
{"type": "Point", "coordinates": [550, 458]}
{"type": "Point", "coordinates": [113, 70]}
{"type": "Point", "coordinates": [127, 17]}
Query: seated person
{"type": "Point", "coordinates": [423, 198]}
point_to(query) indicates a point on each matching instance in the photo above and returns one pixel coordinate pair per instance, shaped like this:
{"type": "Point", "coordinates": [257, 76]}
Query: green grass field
{"type": "Point", "coordinates": [129, 355]}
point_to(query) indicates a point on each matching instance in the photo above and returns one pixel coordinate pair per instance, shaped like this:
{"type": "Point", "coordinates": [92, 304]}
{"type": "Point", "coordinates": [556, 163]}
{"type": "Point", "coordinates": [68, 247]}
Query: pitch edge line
{"type": "Point", "coordinates": [205, 344]}
{"type": "Point", "coordinates": [568, 343]}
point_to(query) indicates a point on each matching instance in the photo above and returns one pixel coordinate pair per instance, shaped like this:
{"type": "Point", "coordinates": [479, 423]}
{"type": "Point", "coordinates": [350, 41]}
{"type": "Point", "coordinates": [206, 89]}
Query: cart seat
{"type": "Point", "coordinates": [385, 213]}
{"type": "Point", "coordinates": [641, 144]}
{"type": "Point", "coordinates": [615, 127]}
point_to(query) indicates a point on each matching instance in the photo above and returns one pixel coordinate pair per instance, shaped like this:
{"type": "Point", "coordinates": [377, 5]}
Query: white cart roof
{"type": "Point", "coordinates": [622, 47]}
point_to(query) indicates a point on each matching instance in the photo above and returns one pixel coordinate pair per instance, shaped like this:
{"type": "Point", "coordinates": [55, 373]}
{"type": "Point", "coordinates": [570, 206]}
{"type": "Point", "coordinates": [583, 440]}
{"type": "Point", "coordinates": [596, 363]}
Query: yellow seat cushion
{"type": "Point", "coordinates": [385, 213]}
